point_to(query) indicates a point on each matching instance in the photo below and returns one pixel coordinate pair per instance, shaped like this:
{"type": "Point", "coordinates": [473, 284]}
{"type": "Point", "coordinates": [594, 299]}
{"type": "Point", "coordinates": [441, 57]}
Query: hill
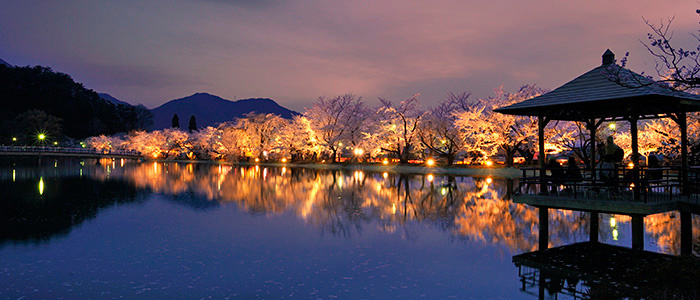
{"type": "Point", "coordinates": [4, 63]}
{"type": "Point", "coordinates": [210, 110]}
{"type": "Point", "coordinates": [39, 100]}
{"type": "Point", "coordinates": [109, 98]}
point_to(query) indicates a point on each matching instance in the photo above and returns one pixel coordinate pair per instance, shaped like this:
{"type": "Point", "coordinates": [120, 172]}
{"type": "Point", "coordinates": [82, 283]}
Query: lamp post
{"type": "Point", "coordinates": [41, 137]}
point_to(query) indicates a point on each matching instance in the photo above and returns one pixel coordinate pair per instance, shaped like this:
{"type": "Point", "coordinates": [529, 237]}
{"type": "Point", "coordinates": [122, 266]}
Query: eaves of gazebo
{"type": "Point", "coordinates": [607, 92]}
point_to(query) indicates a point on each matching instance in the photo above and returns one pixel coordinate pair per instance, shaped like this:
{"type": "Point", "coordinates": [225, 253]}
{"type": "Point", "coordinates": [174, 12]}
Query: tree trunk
{"type": "Point", "coordinates": [450, 159]}
{"type": "Point", "coordinates": [509, 157]}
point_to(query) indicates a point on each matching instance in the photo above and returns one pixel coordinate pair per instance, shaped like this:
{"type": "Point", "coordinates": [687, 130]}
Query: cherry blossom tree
{"type": "Point", "coordinates": [397, 127]}
{"type": "Point", "coordinates": [261, 133]}
{"type": "Point", "coordinates": [499, 132]}
{"type": "Point", "coordinates": [335, 120]}
{"type": "Point", "coordinates": [438, 132]}
{"type": "Point", "coordinates": [298, 140]}
{"type": "Point", "coordinates": [207, 143]}
{"type": "Point", "coordinates": [105, 143]}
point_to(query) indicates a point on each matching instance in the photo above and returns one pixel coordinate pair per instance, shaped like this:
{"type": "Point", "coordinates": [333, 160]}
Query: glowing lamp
{"type": "Point", "coordinates": [257, 160]}
{"type": "Point", "coordinates": [489, 163]}
{"type": "Point", "coordinates": [612, 126]}
{"type": "Point", "coordinates": [41, 136]}
{"type": "Point", "coordinates": [430, 177]}
{"type": "Point", "coordinates": [430, 162]}
{"type": "Point", "coordinates": [385, 161]}
{"type": "Point", "coordinates": [284, 160]}
{"type": "Point", "coordinates": [489, 180]}
{"type": "Point", "coordinates": [14, 139]}
{"type": "Point", "coordinates": [631, 165]}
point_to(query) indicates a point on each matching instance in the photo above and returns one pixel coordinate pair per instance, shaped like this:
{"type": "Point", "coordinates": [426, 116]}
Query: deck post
{"type": "Point", "coordinates": [544, 227]}
{"type": "Point", "coordinates": [686, 233]}
{"type": "Point", "coordinates": [638, 232]}
{"type": "Point", "coordinates": [594, 224]}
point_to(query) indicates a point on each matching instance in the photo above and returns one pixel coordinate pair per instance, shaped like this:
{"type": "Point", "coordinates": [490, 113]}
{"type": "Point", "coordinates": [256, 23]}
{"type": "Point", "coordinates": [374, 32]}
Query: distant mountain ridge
{"type": "Point", "coordinates": [110, 98]}
{"type": "Point", "coordinates": [210, 110]}
{"type": "Point", "coordinates": [2, 62]}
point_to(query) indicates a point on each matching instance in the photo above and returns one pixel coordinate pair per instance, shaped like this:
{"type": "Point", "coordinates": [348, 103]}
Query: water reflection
{"type": "Point", "coordinates": [341, 202]}
{"type": "Point", "coordinates": [34, 211]}
{"type": "Point", "coordinates": [336, 202]}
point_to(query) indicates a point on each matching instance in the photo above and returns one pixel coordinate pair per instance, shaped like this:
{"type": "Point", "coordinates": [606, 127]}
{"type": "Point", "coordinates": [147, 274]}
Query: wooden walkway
{"type": "Point", "coordinates": [64, 151]}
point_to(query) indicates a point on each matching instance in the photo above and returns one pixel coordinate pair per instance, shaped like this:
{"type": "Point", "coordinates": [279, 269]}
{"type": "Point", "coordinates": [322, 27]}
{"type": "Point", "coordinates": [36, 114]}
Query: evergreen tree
{"type": "Point", "coordinates": [193, 124]}
{"type": "Point", "coordinates": [175, 122]}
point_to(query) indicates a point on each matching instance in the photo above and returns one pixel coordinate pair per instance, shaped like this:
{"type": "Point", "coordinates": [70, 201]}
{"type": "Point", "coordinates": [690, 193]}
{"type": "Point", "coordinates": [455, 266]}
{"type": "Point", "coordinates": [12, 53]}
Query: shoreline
{"type": "Point", "coordinates": [403, 169]}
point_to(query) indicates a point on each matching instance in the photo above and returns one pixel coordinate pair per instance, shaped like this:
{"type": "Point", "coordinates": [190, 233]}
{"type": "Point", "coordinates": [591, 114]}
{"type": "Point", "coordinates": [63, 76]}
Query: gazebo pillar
{"type": "Point", "coordinates": [635, 157]}
{"type": "Point", "coordinates": [681, 120]}
{"type": "Point", "coordinates": [592, 126]}
{"type": "Point", "coordinates": [683, 124]}
{"type": "Point", "coordinates": [541, 123]}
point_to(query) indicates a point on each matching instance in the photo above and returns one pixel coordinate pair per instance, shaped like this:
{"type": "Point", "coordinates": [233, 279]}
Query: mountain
{"type": "Point", "coordinates": [109, 98]}
{"type": "Point", "coordinates": [210, 110]}
{"type": "Point", "coordinates": [2, 62]}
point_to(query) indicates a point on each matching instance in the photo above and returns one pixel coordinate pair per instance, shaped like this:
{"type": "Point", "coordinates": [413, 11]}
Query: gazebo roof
{"type": "Point", "coordinates": [608, 91]}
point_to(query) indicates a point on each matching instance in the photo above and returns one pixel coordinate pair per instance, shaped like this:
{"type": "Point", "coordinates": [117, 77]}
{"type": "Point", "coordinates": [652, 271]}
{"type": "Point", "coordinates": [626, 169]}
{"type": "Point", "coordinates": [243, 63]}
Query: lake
{"type": "Point", "coordinates": [80, 229]}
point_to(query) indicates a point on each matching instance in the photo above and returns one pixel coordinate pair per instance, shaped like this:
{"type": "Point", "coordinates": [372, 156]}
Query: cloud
{"type": "Point", "coordinates": [294, 51]}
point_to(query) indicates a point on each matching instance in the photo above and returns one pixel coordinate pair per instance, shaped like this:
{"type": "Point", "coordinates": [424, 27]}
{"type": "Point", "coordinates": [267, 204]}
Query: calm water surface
{"type": "Point", "coordinates": [111, 229]}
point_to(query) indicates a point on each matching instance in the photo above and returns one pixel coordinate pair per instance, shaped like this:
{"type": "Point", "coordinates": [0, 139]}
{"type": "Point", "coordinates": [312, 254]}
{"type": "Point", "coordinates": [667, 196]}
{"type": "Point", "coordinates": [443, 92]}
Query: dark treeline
{"type": "Point", "coordinates": [38, 100]}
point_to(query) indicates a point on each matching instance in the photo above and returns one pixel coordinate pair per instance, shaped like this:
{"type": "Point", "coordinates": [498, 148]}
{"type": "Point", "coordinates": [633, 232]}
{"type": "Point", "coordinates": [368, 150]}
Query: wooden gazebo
{"type": "Point", "coordinates": [609, 93]}
{"type": "Point", "coordinates": [612, 93]}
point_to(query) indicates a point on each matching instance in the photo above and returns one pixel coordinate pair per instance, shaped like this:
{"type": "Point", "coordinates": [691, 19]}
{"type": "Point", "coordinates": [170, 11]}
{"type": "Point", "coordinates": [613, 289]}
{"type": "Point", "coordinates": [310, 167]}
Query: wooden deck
{"type": "Point", "coordinates": [618, 195]}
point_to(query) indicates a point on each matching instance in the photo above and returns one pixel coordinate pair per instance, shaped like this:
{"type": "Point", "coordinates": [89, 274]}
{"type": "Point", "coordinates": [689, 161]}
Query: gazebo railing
{"type": "Point", "coordinates": [654, 184]}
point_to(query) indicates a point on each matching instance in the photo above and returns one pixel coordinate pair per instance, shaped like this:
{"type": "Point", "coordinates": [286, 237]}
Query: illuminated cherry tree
{"type": "Point", "coordinates": [438, 132]}
{"type": "Point", "coordinates": [493, 131]}
{"type": "Point", "coordinates": [260, 133]}
{"type": "Point", "coordinates": [335, 120]}
{"type": "Point", "coordinates": [105, 143]}
{"type": "Point", "coordinates": [396, 128]}
{"type": "Point", "coordinates": [298, 140]}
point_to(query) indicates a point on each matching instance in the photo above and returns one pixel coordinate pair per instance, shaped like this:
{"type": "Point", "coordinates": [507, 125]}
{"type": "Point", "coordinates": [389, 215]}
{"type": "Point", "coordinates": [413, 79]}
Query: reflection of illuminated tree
{"type": "Point", "coordinates": [341, 202]}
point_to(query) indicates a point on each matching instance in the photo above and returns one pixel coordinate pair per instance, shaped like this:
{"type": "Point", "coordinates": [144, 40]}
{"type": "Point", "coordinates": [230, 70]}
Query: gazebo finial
{"type": "Point", "coordinates": [608, 57]}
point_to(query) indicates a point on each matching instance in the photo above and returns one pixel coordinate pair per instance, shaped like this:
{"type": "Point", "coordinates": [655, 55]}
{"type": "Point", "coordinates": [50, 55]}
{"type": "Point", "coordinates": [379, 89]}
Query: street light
{"type": "Point", "coordinates": [41, 137]}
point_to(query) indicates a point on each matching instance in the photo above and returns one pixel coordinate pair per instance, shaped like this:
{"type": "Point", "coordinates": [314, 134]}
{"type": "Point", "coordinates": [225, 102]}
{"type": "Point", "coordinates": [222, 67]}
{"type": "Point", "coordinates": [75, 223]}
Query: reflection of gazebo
{"type": "Point", "coordinates": [610, 93]}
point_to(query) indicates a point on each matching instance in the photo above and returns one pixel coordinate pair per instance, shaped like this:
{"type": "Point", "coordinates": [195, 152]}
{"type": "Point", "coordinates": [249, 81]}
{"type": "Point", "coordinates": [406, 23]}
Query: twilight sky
{"type": "Point", "coordinates": [150, 52]}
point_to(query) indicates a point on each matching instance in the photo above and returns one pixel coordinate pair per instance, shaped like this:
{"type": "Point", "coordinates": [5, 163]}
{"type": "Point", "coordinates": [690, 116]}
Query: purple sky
{"type": "Point", "coordinates": [151, 52]}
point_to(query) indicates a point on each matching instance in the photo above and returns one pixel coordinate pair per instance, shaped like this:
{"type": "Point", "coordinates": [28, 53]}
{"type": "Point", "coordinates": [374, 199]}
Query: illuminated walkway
{"type": "Point", "coordinates": [63, 151]}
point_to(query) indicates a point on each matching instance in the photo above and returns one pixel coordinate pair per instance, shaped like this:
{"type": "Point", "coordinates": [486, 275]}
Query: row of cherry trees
{"type": "Point", "coordinates": [346, 127]}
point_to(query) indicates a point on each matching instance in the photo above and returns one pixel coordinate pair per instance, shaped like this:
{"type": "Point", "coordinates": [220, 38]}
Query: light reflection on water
{"type": "Point", "coordinates": [425, 213]}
